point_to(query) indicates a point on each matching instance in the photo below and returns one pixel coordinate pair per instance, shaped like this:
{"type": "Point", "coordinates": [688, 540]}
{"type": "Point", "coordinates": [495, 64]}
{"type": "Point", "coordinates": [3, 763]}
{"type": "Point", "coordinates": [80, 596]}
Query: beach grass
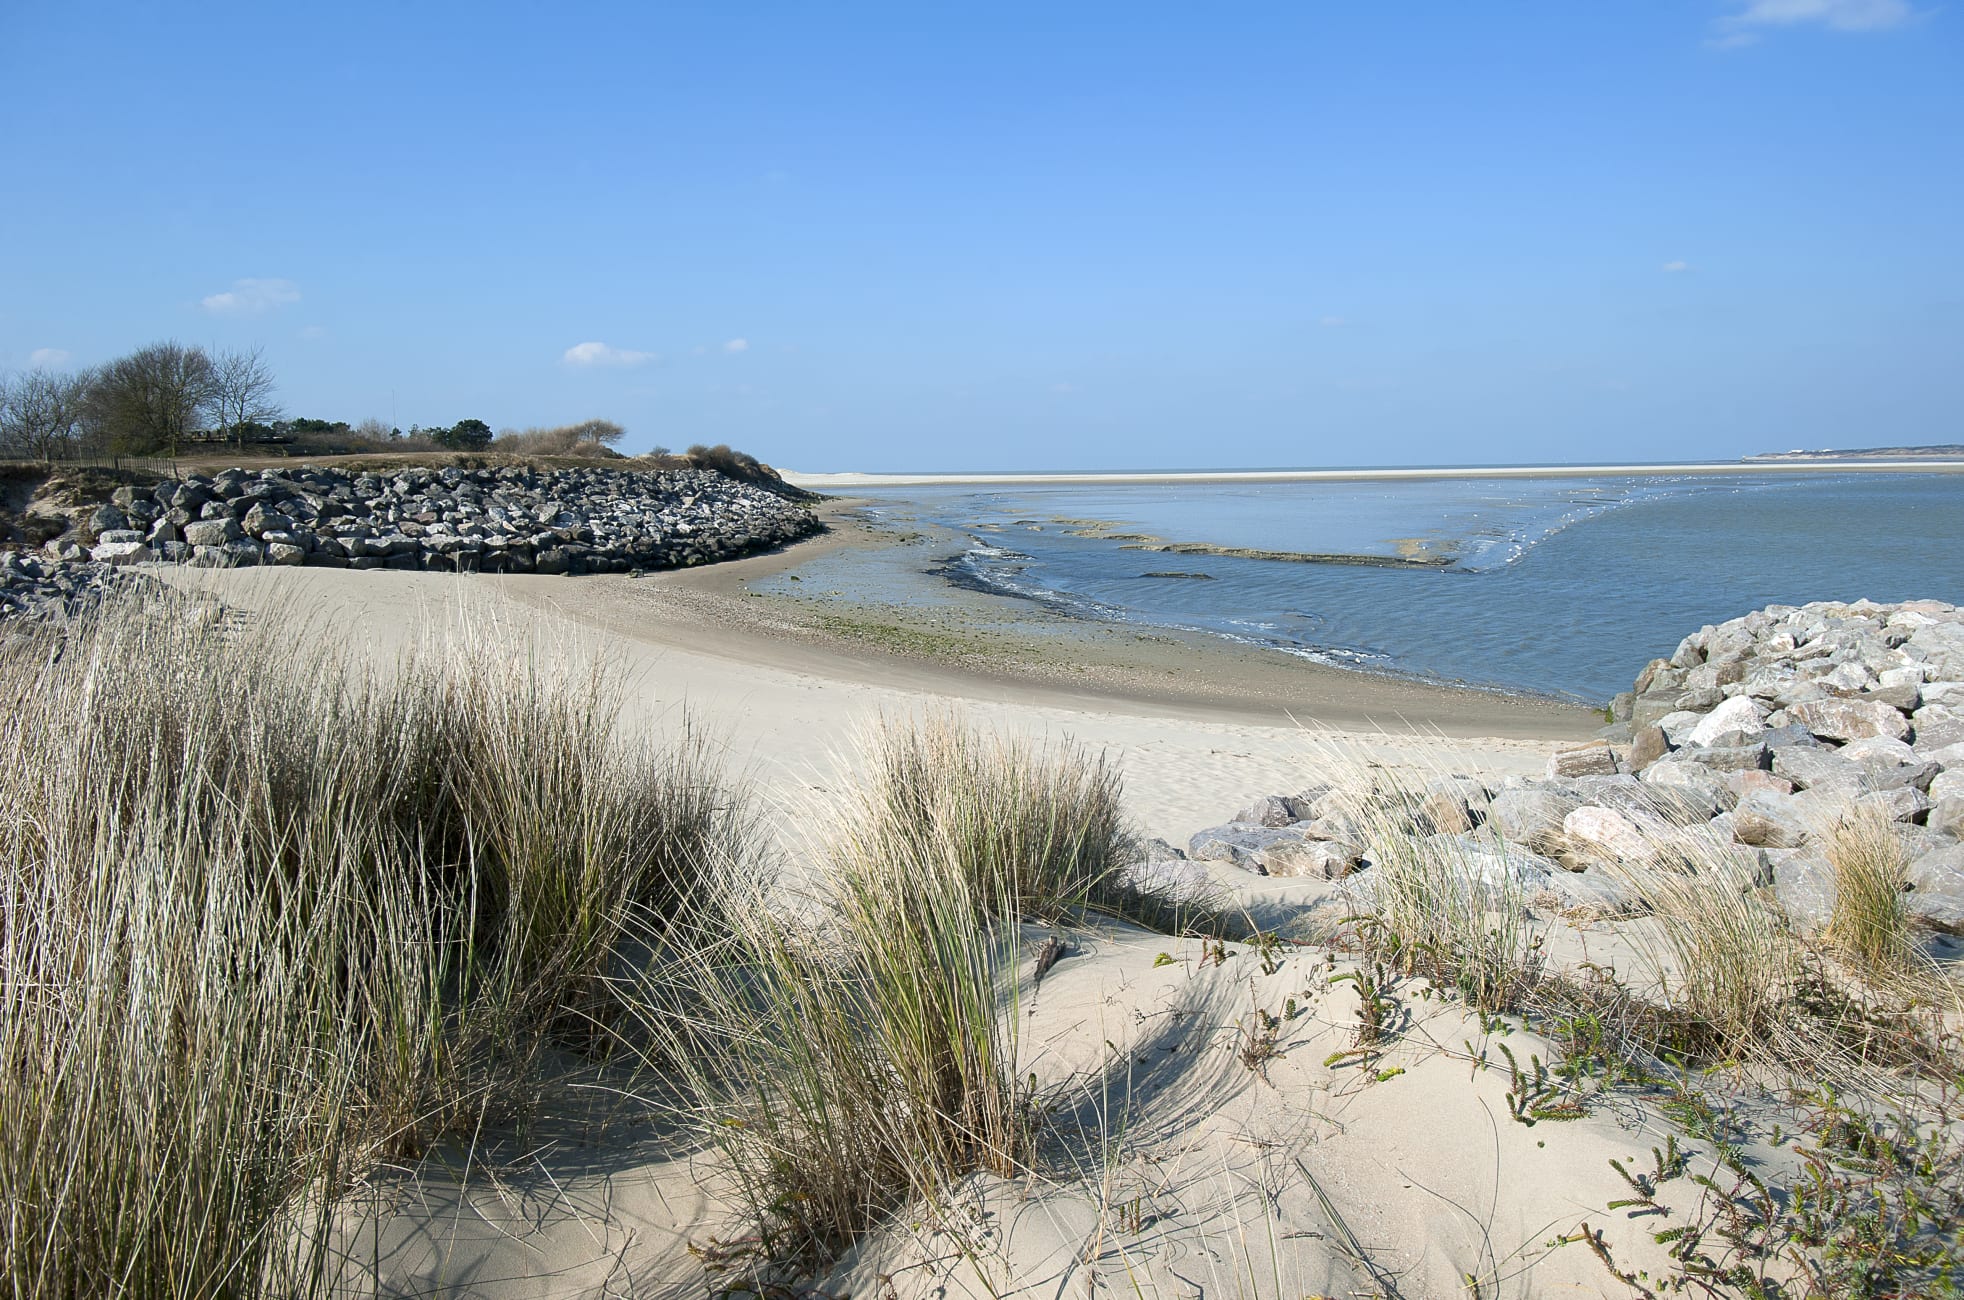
{"type": "Point", "coordinates": [271, 916]}
{"type": "Point", "coordinates": [854, 1050]}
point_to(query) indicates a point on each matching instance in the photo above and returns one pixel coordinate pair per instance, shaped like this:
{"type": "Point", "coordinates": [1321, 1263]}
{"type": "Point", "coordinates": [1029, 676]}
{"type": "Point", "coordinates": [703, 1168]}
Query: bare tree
{"type": "Point", "coordinates": [242, 392]}
{"type": "Point", "coordinates": [41, 413]}
{"type": "Point", "coordinates": [154, 398]}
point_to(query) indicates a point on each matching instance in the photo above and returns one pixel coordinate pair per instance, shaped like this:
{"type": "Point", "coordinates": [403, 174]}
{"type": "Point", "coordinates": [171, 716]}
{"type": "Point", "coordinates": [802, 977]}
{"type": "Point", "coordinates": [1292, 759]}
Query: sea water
{"type": "Point", "coordinates": [1559, 586]}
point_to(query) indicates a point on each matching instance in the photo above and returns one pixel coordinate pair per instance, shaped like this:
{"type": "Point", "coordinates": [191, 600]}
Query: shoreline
{"type": "Point", "coordinates": [783, 686]}
{"type": "Point", "coordinates": [993, 646]}
{"type": "Point", "coordinates": [817, 481]}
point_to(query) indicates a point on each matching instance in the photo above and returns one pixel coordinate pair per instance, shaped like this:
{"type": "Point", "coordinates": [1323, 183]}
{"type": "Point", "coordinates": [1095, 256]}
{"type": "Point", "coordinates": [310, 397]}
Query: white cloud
{"type": "Point", "coordinates": [251, 297]}
{"type": "Point", "coordinates": [599, 354]}
{"type": "Point", "coordinates": [1744, 25]}
{"type": "Point", "coordinates": [49, 357]}
{"type": "Point", "coordinates": [1676, 266]}
{"type": "Point", "coordinates": [737, 345]}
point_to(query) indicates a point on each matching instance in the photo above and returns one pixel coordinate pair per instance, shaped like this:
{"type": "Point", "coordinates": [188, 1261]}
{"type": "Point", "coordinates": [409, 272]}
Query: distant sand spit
{"type": "Point", "coordinates": [846, 481]}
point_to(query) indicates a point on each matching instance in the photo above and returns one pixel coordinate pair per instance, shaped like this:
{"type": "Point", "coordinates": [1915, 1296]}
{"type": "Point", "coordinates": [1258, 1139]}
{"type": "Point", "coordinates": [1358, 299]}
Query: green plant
{"type": "Point", "coordinates": [272, 915]}
{"type": "Point", "coordinates": [861, 1056]}
{"type": "Point", "coordinates": [1869, 923]}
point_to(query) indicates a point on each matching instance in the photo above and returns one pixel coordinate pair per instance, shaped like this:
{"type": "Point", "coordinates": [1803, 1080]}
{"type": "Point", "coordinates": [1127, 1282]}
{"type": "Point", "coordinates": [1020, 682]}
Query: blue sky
{"type": "Point", "coordinates": [911, 236]}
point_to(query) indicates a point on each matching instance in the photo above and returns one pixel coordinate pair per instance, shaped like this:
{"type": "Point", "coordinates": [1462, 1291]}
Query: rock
{"type": "Point", "coordinates": [104, 519]}
{"type": "Point", "coordinates": [1532, 816]}
{"type": "Point", "coordinates": [212, 532]}
{"type": "Point", "coordinates": [1736, 721]}
{"type": "Point", "coordinates": [120, 553]}
{"type": "Point", "coordinates": [1647, 745]}
{"type": "Point", "coordinates": [1726, 758]}
{"type": "Point", "coordinates": [1327, 859]}
{"type": "Point", "coordinates": [1767, 820]}
{"type": "Point", "coordinates": [1900, 803]}
{"type": "Point", "coordinates": [1849, 719]}
{"type": "Point", "coordinates": [1678, 726]}
{"type": "Point", "coordinates": [1744, 783]}
{"type": "Point", "coordinates": [285, 553]}
{"type": "Point", "coordinates": [1273, 810]}
{"type": "Point", "coordinates": [1590, 758]}
{"type": "Point", "coordinates": [1607, 833]}
{"type": "Point", "coordinates": [1935, 899]}
{"type": "Point", "coordinates": [1938, 727]}
{"type": "Point", "coordinates": [1803, 884]}
{"type": "Point", "coordinates": [1685, 793]}
{"type": "Point", "coordinates": [1809, 768]}
{"type": "Point", "coordinates": [1239, 844]}
{"type": "Point", "coordinates": [1589, 896]}
{"type": "Point", "coordinates": [1886, 763]}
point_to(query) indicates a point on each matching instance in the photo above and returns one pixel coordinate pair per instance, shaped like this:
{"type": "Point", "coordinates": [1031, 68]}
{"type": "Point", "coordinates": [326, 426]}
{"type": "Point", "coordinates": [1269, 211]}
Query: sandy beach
{"type": "Point", "coordinates": [1199, 726]}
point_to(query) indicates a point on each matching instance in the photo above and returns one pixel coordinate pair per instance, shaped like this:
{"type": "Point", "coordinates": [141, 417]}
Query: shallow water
{"type": "Point", "coordinates": [1558, 586]}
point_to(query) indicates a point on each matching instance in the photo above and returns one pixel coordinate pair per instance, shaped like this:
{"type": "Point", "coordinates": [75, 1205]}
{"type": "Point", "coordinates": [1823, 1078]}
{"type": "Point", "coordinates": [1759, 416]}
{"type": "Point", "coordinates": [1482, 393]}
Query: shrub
{"type": "Point", "coordinates": [587, 438]}
{"type": "Point", "coordinates": [1040, 827]}
{"type": "Point", "coordinates": [863, 1057]}
{"type": "Point", "coordinates": [465, 435]}
{"type": "Point", "coordinates": [1869, 924]}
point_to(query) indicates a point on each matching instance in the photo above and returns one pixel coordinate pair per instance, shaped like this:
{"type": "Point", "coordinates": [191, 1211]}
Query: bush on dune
{"type": "Point", "coordinates": [591, 438]}
{"type": "Point", "coordinates": [863, 1055]}
{"type": "Point", "coordinates": [268, 917]}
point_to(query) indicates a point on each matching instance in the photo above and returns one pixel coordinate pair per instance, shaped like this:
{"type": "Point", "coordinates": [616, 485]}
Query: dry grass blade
{"type": "Point", "coordinates": [265, 915]}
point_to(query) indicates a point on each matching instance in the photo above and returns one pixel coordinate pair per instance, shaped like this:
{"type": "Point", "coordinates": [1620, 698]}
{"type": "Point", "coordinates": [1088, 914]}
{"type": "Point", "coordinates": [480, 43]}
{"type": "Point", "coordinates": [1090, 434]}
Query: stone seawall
{"type": "Point", "coordinates": [498, 520]}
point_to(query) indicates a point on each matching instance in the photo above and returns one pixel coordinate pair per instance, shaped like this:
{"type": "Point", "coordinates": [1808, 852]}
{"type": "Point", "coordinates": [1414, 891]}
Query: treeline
{"type": "Point", "coordinates": [151, 402]}
{"type": "Point", "coordinates": [162, 399]}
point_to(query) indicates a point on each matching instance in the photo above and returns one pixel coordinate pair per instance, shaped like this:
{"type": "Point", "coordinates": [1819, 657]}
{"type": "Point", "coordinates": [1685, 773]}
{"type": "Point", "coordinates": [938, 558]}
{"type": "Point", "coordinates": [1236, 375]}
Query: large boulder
{"type": "Point", "coordinates": [1532, 816]}
{"type": "Point", "coordinates": [1325, 859]}
{"type": "Point", "coordinates": [1239, 844]}
{"type": "Point", "coordinates": [1803, 884]}
{"type": "Point", "coordinates": [1809, 767]}
{"type": "Point", "coordinates": [1590, 758]}
{"type": "Point", "coordinates": [1738, 721]}
{"type": "Point", "coordinates": [121, 553]}
{"type": "Point", "coordinates": [1767, 820]}
{"type": "Point", "coordinates": [1936, 890]}
{"type": "Point", "coordinates": [1272, 810]}
{"type": "Point", "coordinates": [1606, 833]}
{"type": "Point", "coordinates": [1837, 719]}
{"type": "Point", "coordinates": [212, 532]}
{"type": "Point", "coordinates": [1938, 726]}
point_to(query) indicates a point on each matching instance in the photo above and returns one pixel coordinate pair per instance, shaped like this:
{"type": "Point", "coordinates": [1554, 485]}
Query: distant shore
{"type": "Point", "coordinates": [846, 481]}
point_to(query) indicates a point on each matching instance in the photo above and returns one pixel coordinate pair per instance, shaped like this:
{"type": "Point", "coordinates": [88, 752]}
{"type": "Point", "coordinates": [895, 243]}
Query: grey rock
{"type": "Point", "coordinates": [1809, 768]}
{"type": "Point", "coordinates": [1849, 719]}
{"type": "Point", "coordinates": [1647, 745]}
{"type": "Point", "coordinates": [212, 532]}
{"type": "Point", "coordinates": [1938, 727]}
{"type": "Point", "coordinates": [1803, 884]}
{"type": "Point", "coordinates": [1936, 890]}
{"type": "Point", "coordinates": [1327, 859]}
{"type": "Point", "coordinates": [1590, 758]}
{"type": "Point", "coordinates": [1532, 816]}
{"type": "Point", "coordinates": [1739, 717]}
{"type": "Point", "coordinates": [1239, 844]}
{"type": "Point", "coordinates": [1272, 810]}
{"type": "Point", "coordinates": [1767, 820]}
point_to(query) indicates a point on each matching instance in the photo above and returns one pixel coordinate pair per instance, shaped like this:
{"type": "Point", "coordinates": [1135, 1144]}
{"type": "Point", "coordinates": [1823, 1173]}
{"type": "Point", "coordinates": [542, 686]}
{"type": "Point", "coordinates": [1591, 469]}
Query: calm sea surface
{"type": "Point", "coordinates": [1561, 586]}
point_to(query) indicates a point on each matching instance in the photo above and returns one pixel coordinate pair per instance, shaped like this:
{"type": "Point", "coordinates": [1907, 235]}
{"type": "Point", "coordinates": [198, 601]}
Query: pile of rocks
{"type": "Point", "coordinates": [1754, 740]}
{"type": "Point", "coordinates": [35, 586]}
{"type": "Point", "coordinates": [505, 520]}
